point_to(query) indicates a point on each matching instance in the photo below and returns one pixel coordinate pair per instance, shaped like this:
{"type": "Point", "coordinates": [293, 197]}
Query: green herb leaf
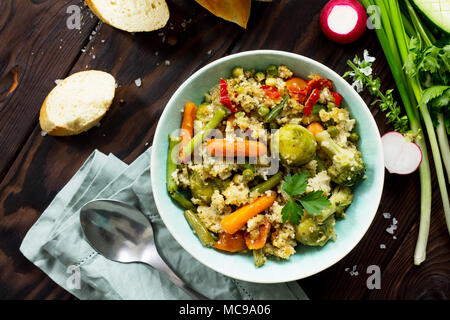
{"type": "Point", "coordinates": [314, 202]}
{"type": "Point", "coordinates": [292, 211]}
{"type": "Point", "coordinates": [295, 185]}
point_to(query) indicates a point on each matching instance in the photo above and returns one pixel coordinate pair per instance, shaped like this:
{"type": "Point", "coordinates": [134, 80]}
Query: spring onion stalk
{"type": "Point", "coordinates": [394, 48]}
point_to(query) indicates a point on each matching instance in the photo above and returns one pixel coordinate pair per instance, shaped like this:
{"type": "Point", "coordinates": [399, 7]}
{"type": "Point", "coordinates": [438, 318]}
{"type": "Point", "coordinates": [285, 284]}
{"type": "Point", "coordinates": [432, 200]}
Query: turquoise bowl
{"type": "Point", "coordinates": [307, 260]}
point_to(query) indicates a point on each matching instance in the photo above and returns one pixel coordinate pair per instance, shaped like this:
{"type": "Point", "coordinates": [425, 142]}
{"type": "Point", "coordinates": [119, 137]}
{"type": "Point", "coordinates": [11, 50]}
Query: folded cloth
{"type": "Point", "coordinates": [56, 243]}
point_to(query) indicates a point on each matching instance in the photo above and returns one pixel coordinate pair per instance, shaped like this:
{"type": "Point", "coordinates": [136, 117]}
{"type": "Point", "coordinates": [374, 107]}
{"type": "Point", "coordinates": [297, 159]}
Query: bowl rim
{"type": "Point", "coordinates": [288, 277]}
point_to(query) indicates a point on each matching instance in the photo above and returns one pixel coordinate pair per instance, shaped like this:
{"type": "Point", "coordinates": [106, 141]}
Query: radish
{"type": "Point", "coordinates": [400, 155]}
{"type": "Point", "coordinates": [343, 21]}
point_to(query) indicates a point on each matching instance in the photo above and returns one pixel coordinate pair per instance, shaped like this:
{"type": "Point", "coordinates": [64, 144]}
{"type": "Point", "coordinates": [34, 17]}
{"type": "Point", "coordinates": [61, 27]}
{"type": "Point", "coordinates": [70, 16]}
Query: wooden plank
{"type": "Point", "coordinates": [40, 49]}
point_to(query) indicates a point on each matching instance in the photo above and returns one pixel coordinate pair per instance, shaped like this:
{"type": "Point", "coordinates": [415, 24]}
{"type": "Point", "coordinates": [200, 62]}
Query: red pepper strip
{"type": "Point", "coordinates": [320, 83]}
{"type": "Point", "coordinates": [313, 98]}
{"type": "Point", "coordinates": [337, 98]}
{"type": "Point", "coordinates": [224, 97]}
{"type": "Point", "coordinates": [271, 92]}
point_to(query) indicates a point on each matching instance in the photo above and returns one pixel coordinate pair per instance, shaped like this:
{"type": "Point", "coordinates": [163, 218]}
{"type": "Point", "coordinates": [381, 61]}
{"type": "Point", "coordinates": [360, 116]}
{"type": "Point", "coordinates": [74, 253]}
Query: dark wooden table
{"type": "Point", "coordinates": [39, 48]}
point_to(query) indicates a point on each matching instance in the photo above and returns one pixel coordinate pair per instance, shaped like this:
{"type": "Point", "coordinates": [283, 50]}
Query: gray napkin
{"type": "Point", "coordinates": [56, 243]}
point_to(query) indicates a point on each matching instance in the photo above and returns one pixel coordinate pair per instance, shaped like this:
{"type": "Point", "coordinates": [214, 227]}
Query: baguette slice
{"type": "Point", "coordinates": [131, 15]}
{"type": "Point", "coordinates": [77, 103]}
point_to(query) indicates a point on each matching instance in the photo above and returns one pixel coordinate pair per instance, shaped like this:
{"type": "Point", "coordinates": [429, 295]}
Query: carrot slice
{"type": "Point", "coordinates": [259, 242]}
{"type": "Point", "coordinates": [187, 125]}
{"type": "Point", "coordinates": [231, 242]}
{"type": "Point", "coordinates": [236, 220]}
{"type": "Point", "coordinates": [250, 148]}
{"type": "Point", "coordinates": [315, 128]}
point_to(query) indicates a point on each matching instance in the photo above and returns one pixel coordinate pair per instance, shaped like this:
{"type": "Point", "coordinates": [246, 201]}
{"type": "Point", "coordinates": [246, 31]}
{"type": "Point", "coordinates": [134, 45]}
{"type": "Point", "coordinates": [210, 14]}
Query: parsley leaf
{"type": "Point", "coordinates": [295, 185]}
{"type": "Point", "coordinates": [314, 202]}
{"type": "Point", "coordinates": [292, 211]}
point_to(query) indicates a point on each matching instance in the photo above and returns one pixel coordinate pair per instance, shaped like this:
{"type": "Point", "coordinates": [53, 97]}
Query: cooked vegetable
{"type": "Point", "coordinates": [259, 257]}
{"type": "Point", "coordinates": [248, 175]}
{"type": "Point", "coordinates": [269, 184]}
{"type": "Point", "coordinates": [224, 96]}
{"type": "Point", "coordinates": [174, 143]}
{"type": "Point", "coordinates": [187, 125]}
{"type": "Point", "coordinates": [354, 137]}
{"type": "Point", "coordinates": [260, 241]}
{"type": "Point", "coordinates": [201, 190]}
{"type": "Point", "coordinates": [198, 138]}
{"type": "Point", "coordinates": [340, 199]}
{"type": "Point", "coordinates": [271, 92]}
{"type": "Point", "coordinates": [276, 110]}
{"type": "Point", "coordinates": [294, 84]}
{"type": "Point", "coordinates": [263, 111]}
{"type": "Point", "coordinates": [199, 229]}
{"type": "Point", "coordinates": [182, 201]}
{"type": "Point", "coordinates": [310, 232]}
{"type": "Point", "coordinates": [260, 76]}
{"type": "Point", "coordinates": [296, 145]}
{"type": "Point", "coordinates": [237, 72]}
{"type": "Point", "coordinates": [271, 71]}
{"type": "Point", "coordinates": [249, 148]}
{"type": "Point", "coordinates": [202, 113]}
{"type": "Point", "coordinates": [236, 220]}
{"type": "Point", "coordinates": [231, 242]}
{"type": "Point", "coordinates": [315, 128]}
{"type": "Point", "coordinates": [348, 168]}
{"type": "Point", "coordinates": [333, 131]}
{"type": "Point", "coordinates": [337, 98]}
{"type": "Point", "coordinates": [400, 155]}
{"type": "Point", "coordinates": [313, 98]}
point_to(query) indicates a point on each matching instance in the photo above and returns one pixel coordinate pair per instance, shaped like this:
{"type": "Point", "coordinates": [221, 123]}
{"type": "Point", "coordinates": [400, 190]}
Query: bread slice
{"type": "Point", "coordinates": [131, 15]}
{"type": "Point", "coordinates": [77, 103]}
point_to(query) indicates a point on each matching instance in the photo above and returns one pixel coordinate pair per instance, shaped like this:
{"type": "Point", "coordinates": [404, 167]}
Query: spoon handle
{"type": "Point", "coordinates": [155, 261]}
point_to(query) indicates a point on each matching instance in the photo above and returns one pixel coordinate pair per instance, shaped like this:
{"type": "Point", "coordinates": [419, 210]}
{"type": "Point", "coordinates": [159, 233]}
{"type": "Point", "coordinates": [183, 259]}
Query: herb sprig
{"type": "Point", "coordinates": [313, 202]}
{"type": "Point", "coordinates": [362, 77]}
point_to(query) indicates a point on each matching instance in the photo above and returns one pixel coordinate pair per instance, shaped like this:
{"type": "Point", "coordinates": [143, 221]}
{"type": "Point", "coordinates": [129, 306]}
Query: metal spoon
{"type": "Point", "coordinates": [122, 233]}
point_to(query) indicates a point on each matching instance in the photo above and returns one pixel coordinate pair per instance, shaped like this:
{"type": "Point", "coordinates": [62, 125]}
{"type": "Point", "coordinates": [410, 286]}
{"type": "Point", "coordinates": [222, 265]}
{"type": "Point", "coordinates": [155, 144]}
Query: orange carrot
{"type": "Point", "coordinates": [187, 126]}
{"type": "Point", "coordinates": [315, 128]}
{"type": "Point", "coordinates": [236, 220]}
{"type": "Point", "coordinates": [231, 242]}
{"type": "Point", "coordinates": [259, 242]}
{"type": "Point", "coordinates": [221, 147]}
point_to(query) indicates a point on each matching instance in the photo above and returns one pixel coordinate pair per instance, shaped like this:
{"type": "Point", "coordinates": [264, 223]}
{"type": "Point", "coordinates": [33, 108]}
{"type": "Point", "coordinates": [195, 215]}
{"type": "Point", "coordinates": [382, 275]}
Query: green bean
{"type": "Point", "coordinates": [263, 111]}
{"type": "Point", "coordinates": [174, 143]}
{"type": "Point", "coordinates": [276, 110]}
{"type": "Point", "coordinates": [198, 138]}
{"type": "Point", "coordinates": [354, 137]}
{"type": "Point", "coordinates": [269, 183]}
{"type": "Point", "coordinates": [182, 201]}
{"type": "Point", "coordinates": [260, 76]}
{"type": "Point", "coordinates": [199, 229]}
{"type": "Point", "coordinates": [237, 71]}
{"type": "Point", "coordinates": [271, 71]}
{"type": "Point", "coordinates": [333, 131]}
{"type": "Point", "coordinates": [259, 257]}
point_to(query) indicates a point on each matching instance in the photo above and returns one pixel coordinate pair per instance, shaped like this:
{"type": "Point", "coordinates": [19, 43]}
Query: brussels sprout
{"type": "Point", "coordinates": [201, 190]}
{"type": "Point", "coordinates": [296, 144]}
{"type": "Point", "coordinates": [309, 232]}
{"type": "Point", "coordinates": [260, 76]}
{"type": "Point", "coordinates": [271, 71]}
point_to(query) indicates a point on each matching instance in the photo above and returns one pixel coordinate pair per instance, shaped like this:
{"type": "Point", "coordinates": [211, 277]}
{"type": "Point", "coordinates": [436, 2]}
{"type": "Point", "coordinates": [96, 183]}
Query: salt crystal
{"type": "Point", "coordinates": [387, 215]}
{"type": "Point", "coordinates": [98, 124]}
{"type": "Point", "coordinates": [167, 63]}
{"type": "Point", "coordinates": [394, 237]}
{"type": "Point", "coordinates": [138, 82]}
{"type": "Point", "coordinates": [209, 52]}
{"type": "Point", "coordinates": [390, 230]}
{"type": "Point", "coordinates": [382, 246]}
{"type": "Point", "coordinates": [43, 133]}
{"type": "Point", "coordinates": [394, 221]}
{"type": "Point", "coordinates": [58, 81]}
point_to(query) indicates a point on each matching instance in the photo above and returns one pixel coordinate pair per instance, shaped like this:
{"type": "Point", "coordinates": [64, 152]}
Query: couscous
{"type": "Point", "coordinates": [266, 163]}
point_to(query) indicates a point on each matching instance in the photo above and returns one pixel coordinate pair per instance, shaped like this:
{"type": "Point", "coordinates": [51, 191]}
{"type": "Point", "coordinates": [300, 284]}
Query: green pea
{"type": "Point", "coordinates": [333, 131]}
{"type": "Point", "coordinates": [237, 71]}
{"type": "Point", "coordinates": [263, 111]}
{"type": "Point", "coordinates": [272, 71]}
{"type": "Point", "coordinates": [354, 137]}
{"type": "Point", "coordinates": [248, 175]}
{"type": "Point", "coordinates": [260, 76]}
